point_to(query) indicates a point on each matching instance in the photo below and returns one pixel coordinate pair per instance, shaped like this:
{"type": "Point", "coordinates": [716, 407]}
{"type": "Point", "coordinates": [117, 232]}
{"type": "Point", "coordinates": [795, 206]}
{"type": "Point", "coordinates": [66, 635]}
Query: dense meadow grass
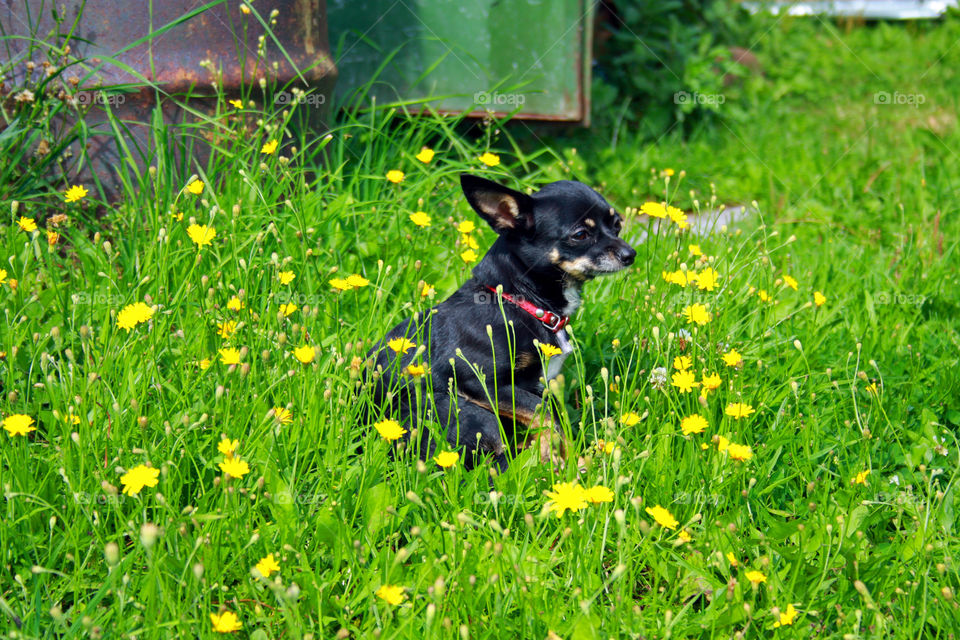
{"type": "Point", "coordinates": [189, 448]}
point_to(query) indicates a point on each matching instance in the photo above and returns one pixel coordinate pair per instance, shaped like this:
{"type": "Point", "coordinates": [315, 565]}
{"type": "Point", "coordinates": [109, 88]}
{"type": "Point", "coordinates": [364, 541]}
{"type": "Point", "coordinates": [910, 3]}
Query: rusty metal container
{"type": "Point", "coordinates": [168, 55]}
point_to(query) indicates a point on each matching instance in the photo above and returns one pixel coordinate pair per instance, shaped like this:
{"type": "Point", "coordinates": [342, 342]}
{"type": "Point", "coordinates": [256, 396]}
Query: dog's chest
{"type": "Point", "coordinates": [555, 364]}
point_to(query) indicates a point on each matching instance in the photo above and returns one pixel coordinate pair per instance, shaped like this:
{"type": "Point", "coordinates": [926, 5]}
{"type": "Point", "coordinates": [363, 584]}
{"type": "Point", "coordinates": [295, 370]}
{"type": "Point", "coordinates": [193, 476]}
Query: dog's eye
{"type": "Point", "coordinates": [581, 234]}
{"type": "Point", "coordinates": [617, 226]}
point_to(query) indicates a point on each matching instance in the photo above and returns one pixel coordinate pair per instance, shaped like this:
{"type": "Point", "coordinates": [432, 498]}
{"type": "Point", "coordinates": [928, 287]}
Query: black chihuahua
{"type": "Point", "coordinates": [486, 377]}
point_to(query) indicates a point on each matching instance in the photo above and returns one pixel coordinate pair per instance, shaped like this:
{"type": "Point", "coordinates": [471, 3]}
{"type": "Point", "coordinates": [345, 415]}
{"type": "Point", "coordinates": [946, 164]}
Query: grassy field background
{"type": "Point", "coordinates": [828, 511]}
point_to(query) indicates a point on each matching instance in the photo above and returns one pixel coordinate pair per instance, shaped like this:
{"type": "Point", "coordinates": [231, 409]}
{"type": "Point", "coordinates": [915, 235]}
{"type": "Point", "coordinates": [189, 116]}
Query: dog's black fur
{"type": "Point", "coordinates": [549, 244]}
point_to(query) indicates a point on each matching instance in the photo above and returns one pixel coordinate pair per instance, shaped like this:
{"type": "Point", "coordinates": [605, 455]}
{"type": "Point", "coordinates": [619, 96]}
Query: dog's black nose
{"type": "Point", "coordinates": [626, 254]}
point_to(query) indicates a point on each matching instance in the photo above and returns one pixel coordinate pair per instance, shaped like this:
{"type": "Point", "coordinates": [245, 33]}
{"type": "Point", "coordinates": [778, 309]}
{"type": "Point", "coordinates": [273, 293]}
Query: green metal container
{"type": "Point", "coordinates": [527, 57]}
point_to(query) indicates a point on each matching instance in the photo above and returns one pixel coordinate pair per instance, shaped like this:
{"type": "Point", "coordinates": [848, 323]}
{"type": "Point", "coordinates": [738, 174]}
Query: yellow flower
{"type": "Point", "coordinates": [283, 415]}
{"type": "Point", "coordinates": [732, 559]}
{"type": "Point", "coordinates": [682, 363]}
{"type": "Point", "coordinates": [287, 309]}
{"type": "Point", "coordinates": [684, 535]}
{"type": "Point", "coordinates": [195, 187]}
{"type": "Point", "coordinates": [27, 224]}
{"type": "Point", "coordinates": [401, 345]}
{"type": "Point", "coordinates": [395, 176]}
{"type": "Point", "coordinates": [226, 329]}
{"type": "Point", "coordinates": [694, 250]}
{"type": "Point", "coordinates": [392, 593]}
{"type": "Point", "coordinates": [790, 282]}
{"type": "Point", "coordinates": [269, 148]}
{"type": "Point", "coordinates": [226, 622]}
{"type": "Point", "coordinates": [710, 383]}
{"type": "Point", "coordinates": [356, 280]}
{"type": "Point", "coordinates": [136, 479]}
{"type": "Point", "coordinates": [426, 155]}
{"type": "Point", "coordinates": [18, 424]}
{"type": "Point", "coordinates": [74, 193]}
{"type": "Point", "coordinates": [567, 496]}
{"type": "Point", "coordinates": [389, 430]}
{"type": "Point", "coordinates": [244, 9]}
{"type": "Point", "coordinates": [490, 159]}
{"type": "Point", "coordinates": [416, 370]}
{"type": "Point", "coordinates": [201, 234]}
{"type": "Point", "coordinates": [741, 452]}
{"type": "Point", "coordinates": [693, 424]}
{"type": "Point", "coordinates": [466, 226]}
{"type": "Point", "coordinates": [447, 459]}
{"type": "Point", "coordinates": [305, 354]}
{"type": "Point", "coordinates": [420, 218]}
{"type": "Point", "coordinates": [756, 577]}
{"type": "Point", "coordinates": [428, 291]}
{"type": "Point", "coordinates": [72, 418]}
{"type": "Point", "coordinates": [786, 617]}
{"type": "Point", "coordinates": [722, 444]}
{"type": "Point", "coordinates": [286, 277]}
{"type": "Point", "coordinates": [738, 410]}
{"type": "Point", "coordinates": [819, 299]}
{"type": "Point", "coordinates": [204, 364]}
{"type": "Point", "coordinates": [677, 216]}
{"type": "Point", "coordinates": [707, 279]}
{"type": "Point", "coordinates": [599, 494]}
{"type": "Point", "coordinates": [654, 209]}
{"type": "Point", "coordinates": [340, 284]}
{"type": "Point", "coordinates": [732, 358]}
{"type": "Point", "coordinates": [663, 517]}
{"type": "Point", "coordinates": [234, 467]}
{"type": "Point", "coordinates": [629, 419]}
{"type": "Point", "coordinates": [668, 172]}
{"type": "Point", "coordinates": [3, 276]}
{"type": "Point", "coordinates": [861, 477]}
{"type": "Point", "coordinates": [238, 104]}
{"type": "Point", "coordinates": [133, 314]}
{"type": "Point", "coordinates": [605, 447]}
{"type": "Point", "coordinates": [229, 355]}
{"type": "Point", "coordinates": [470, 242]}
{"type": "Point", "coordinates": [684, 381]}
{"type": "Point", "coordinates": [228, 446]}
{"type": "Point", "coordinates": [872, 389]}
{"type": "Point", "coordinates": [696, 313]}
{"type": "Point", "coordinates": [267, 565]}
{"type": "Point", "coordinates": [550, 350]}
{"type": "Point", "coordinates": [469, 256]}
{"type": "Point", "coordinates": [763, 295]}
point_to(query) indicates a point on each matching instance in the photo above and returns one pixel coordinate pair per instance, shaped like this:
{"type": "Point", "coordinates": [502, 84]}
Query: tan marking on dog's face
{"type": "Point", "coordinates": [580, 268]}
{"type": "Point", "coordinates": [554, 256]}
{"type": "Point", "coordinates": [590, 222]}
{"type": "Point", "coordinates": [513, 414]}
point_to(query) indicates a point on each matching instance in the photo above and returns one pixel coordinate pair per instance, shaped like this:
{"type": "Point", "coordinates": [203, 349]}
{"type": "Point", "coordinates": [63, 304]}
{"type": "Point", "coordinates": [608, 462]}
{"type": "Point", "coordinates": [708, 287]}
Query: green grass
{"type": "Point", "coordinates": [855, 200]}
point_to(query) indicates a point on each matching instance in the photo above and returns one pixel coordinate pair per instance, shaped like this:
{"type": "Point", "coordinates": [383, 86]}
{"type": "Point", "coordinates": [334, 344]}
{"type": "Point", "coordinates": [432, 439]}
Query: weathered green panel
{"type": "Point", "coordinates": [469, 54]}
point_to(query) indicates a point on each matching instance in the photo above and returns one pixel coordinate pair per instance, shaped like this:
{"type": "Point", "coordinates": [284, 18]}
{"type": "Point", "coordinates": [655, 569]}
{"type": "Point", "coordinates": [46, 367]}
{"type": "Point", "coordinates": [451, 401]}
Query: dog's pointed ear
{"type": "Point", "coordinates": [503, 208]}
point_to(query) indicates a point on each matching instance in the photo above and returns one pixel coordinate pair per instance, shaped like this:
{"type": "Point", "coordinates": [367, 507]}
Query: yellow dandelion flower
{"type": "Point", "coordinates": [420, 218]}
{"type": "Point", "coordinates": [283, 415]}
{"type": "Point", "coordinates": [599, 494]}
{"type": "Point", "coordinates": [195, 187]}
{"type": "Point", "coordinates": [305, 354]}
{"type": "Point", "coordinates": [287, 309]}
{"type": "Point", "coordinates": [567, 496]}
{"type": "Point", "coordinates": [228, 446]}
{"type": "Point", "coordinates": [861, 477]}
{"type": "Point", "coordinates": [201, 234]}
{"type": "Point", "coordinates": [737, 410]}
{"type": "Point", "coordinates": [663, 517]}
{"type": "Point", "coordinates": [401, 345]}
{"type": "Point", "coordinates": [466, 226]}
{"type": "Point", "coordinates": [682, 363]}
{"type": "Point", "coordinates": [550, 350]}
{"type": "Point", "coordinates": [286, 277]}
{"type": "Point", "coordinates": [416, 370]}
{"type": "Point", "coordinates": [786, 617]}
{"type": "Point", "coordinates": [269, 148]}
{"type": "Point", "coordinates": [694, 250]}
{"type": "Point", "coordinates": [136, 479]}
{"type": "Point", "coordinates": [27, 224]}
{"type": "Point", "coordinates": [18, 424]}
{"type": "Point", "coordinates": [469, 256]}
{"type": "Point", "coordinates": [237, 104]}
{"type": "Point", "coordinates": [133, 314]}
{"type": "Point", "coordinates": [696, 314]}
{"type": "Point", "coordinates": [357, 281]}
{"type": "Point", "coordinates": [791, 282]}
{"type": "Point", "coordinates": [74, 193]}
{"type": "Point", "coordinates": [819, 299]}
{"type": "Point", "coordinates": [629, 419]}
{"type": "Point", "coordinates": [229, 355]}
{"type": "Point", "coordinates": [732, 559]}
{"type": "Point", "coordinates": [389, 430]}
{"type": "Point", "coordinates": [391, 593]}
{"type": "Point", "coordinates": [707, 279]}
{"type": "Point", "coordinates": [234, 467]}
{"type": "Point", "coordinates": [227, 328]}
{"type": "Point", "coordinates": [447, 459]}
{"type": "Point", "coordinates": [426, 155]}
{"type": "Point", "coordinates": [490, 159]}
{"type": "Point", "coordinates": [267, 565]}
{"type": "Point", "coordinates": [741, 452]}
{"type": "Point", "coordinates": [340, 284]}
{"type": "Point", "coordinates": [395, 176]}
{"type": "Point", "coordinates": [693, 424]}
{"type": "Point", "coordinates": [654, 209]}
{"type": "Point", "coordinates": [756, 577]}
{"type": "Point", "coordinates": [684, 381]}
{"type": "Point", "coordinates": [226, 622]}
{"type": "Point", "coordinates": [732, 358]}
